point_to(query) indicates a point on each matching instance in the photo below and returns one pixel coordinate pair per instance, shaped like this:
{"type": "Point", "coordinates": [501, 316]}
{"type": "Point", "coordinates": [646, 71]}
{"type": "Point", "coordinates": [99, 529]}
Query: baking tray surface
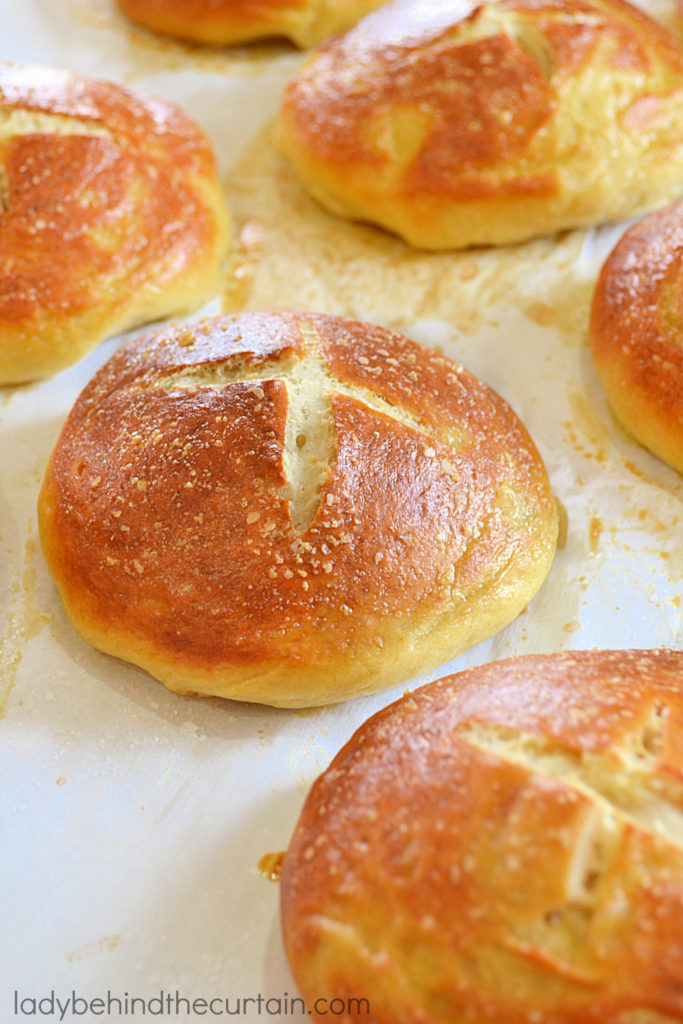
{"type": "Point", "coordinates": [134, 819]}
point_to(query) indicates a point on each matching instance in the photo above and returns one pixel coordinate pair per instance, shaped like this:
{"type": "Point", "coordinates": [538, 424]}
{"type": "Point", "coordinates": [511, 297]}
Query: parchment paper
{"type": "Point", "coordinates": [133, 819]}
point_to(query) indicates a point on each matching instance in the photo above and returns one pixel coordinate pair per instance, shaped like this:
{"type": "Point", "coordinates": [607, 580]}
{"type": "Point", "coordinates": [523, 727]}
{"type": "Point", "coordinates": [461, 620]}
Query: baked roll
{"type": "Point", "coordinates": [111, 214]}
{"type": "Point", "coordinates": [304, 22]}
{"type": "Point", "coordinates": [502, 847]}
{"type": "Point", "coordinates": [636, 332]}
{"type": "Point", "coordinates": [486, 123]}
{"type": "Point", "coordinates": [292, 509]}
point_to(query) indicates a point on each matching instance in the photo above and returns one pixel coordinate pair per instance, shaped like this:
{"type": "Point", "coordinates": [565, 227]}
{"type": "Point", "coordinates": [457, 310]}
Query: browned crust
{"type": "Point", "coordinates": [223, 22]}
{"type": "Point", "coordinates": [117, 219]}
{"type": "Point", "coordinates": [427, 872]}
{"type": "Point", "coordinates": [164, 525]}
{"type": "Point", "coordinates": [636, 332]}
{"type": "Point", "coordinates": [484, 122]}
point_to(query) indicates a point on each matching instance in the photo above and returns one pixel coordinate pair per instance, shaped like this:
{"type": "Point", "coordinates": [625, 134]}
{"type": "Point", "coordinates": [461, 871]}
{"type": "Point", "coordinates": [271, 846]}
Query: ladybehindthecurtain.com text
{"type": "Point", "coordinates": [174, 1004]}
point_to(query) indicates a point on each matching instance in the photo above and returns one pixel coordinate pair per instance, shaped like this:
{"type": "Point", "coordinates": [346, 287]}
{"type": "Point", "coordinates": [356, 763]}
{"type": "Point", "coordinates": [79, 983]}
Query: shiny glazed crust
{"type": "Point", "coordinates": [111, 214]}
{"type": "Point", "coordinates": [502, 847]}
{"type": "Point", "coordinates": [292, 509]}
{"type": "Point", "coordinates": [636, 332]}
{"type": "Point", "coordinates": [485, 123]}
{"type": "Point", "coordinates": [304, 22]}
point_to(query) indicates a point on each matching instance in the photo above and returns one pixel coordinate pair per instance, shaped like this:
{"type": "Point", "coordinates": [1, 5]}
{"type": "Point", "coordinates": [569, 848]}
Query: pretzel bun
{"type": "Point", "coordinates": [636, 332]}
{"type": "Point", "coordinates": [485, 123]}
{"type": "Point", "coordinates": [304, 22]}
{"type": "Point", "coordinates": [111, 215]}
{"type": "Point", "coordinates": [292, 509]}
{"type": "Point", "coordinates": [504, 846]}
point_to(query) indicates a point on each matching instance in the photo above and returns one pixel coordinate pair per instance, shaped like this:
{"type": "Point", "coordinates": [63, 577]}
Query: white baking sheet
{"type": "Point", "coordinates": [134, 819]}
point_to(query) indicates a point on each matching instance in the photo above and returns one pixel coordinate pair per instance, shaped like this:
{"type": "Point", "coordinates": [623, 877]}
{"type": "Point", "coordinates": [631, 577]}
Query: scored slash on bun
{"type": "Point", "coordinates": [636, 332]}
{"type": "Point", "coordinates": [487, 123]}
{"type": "Point", "coordinates": [292, 509]}
{"type": "Point", "coordinates": [304, 22]}
{"type": "Point", "coordinates": [111, 215]}
{"type": "Point", "coordinates": [504, 846]}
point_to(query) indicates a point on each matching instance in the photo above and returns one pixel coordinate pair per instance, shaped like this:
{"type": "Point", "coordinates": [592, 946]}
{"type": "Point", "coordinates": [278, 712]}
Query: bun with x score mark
{"type": "Point", "coordinates": [503, 846]}
{"type": "Point", "coordinates": [292, 509]}
{"type": "Point", "coordinates": [111, 215]}
{"type": "Point", "coordinates": [224, 22]}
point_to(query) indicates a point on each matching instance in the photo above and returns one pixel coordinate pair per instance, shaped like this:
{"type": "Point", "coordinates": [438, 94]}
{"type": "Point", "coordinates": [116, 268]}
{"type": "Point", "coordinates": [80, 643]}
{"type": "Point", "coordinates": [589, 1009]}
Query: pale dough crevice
{"type": "Point", "coordinates": [310, 448]}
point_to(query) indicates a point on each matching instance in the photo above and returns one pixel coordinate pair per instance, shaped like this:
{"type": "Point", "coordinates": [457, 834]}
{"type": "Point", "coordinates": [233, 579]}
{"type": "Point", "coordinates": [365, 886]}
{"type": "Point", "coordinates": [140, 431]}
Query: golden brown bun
{"type": "Point", "coordinates": [305, 22]}
{"type": "Point", "coordinates": [636, 332]}
{"type": "Point", "coordinates": [111, 214]}
{"type": "Point", "coordinates": [502, 847]}
{"type": "Point", "coordinates": [420, 518]}
{"type": "Point", "coordinates": [475, 123]}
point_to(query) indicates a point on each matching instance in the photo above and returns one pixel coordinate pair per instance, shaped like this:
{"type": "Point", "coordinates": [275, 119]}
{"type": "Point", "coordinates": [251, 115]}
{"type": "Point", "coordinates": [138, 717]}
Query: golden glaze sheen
{"type": "Point", "coordinates": [504, 846]}
{"type": "Point", "coordinates": [636, 332]}
{"type": "Point", "coordinates": [475, 123]}
{"type": "Point", "coordinates": [305, 22]}
{"type": "Point", "coordinates": [111, 214]}
{"type": "Point", "coordinates": [292, 509]}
